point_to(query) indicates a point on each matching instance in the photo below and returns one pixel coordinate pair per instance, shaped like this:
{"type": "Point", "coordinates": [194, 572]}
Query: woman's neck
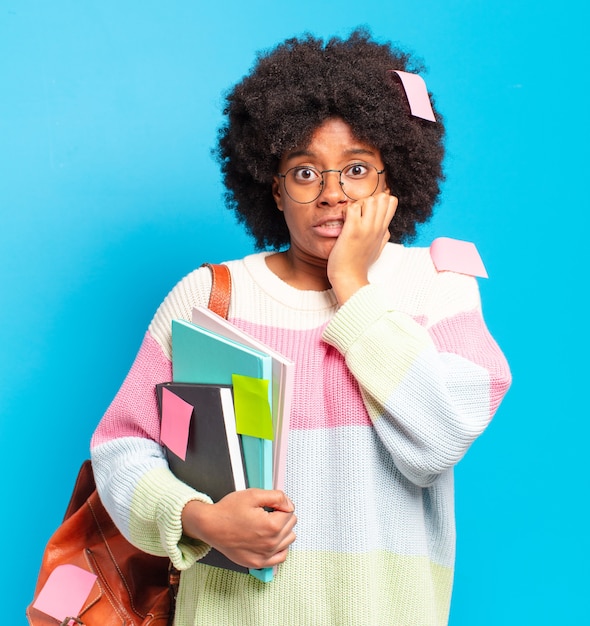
{"type": "Point", "coordinates": [307, 274]}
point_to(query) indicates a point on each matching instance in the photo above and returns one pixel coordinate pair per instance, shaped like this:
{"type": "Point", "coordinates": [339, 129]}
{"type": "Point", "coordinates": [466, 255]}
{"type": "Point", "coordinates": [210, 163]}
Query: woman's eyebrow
{"type": "Point", "coordinates": [360, 152]}
{"type": "Point", "coordinates": [298, 153]}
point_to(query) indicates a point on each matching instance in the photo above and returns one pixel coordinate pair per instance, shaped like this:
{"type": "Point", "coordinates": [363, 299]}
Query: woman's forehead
{"type": "Point", "coordinates": [334, 137]}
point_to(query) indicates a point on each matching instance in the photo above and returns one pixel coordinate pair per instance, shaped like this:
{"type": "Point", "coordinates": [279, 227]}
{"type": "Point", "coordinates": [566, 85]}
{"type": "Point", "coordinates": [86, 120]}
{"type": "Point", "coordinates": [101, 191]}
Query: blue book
{"type": "Point", "coordinates": [283, 376]}
{"type": "Point", "coordinates": [202, 356]}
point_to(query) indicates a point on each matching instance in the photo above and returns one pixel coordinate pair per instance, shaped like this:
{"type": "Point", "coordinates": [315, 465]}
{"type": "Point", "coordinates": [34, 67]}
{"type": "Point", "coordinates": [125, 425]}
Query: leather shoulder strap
{"type": "Point", "coordinates": [220, 288]}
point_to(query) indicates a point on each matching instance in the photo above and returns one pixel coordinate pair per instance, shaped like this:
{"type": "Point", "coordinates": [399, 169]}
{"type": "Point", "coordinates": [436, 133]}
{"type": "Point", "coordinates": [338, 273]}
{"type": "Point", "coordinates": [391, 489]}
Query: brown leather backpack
{"type": "Point", "coordinates": [133, 588]}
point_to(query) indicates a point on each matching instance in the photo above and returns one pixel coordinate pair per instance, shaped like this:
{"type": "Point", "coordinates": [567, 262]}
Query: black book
{"type": "Point", "coordinates": [214, 462]}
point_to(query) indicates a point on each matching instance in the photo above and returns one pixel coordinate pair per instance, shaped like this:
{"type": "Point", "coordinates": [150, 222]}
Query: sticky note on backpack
{"type": "Point", "coordinates": [65, 592]}
{"type": "Point", "coordinates": [458, 256]}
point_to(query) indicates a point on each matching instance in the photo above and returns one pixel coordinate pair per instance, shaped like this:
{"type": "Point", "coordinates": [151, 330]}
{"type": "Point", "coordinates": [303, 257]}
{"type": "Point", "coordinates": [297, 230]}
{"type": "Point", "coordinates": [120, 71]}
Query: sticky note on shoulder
{"type": "Point", "coordinates": [458, 256]}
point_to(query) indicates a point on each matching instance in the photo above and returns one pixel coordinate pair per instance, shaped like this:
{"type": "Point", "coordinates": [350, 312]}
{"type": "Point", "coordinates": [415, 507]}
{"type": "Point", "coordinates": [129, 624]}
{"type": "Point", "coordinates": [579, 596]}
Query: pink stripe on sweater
{"type": "Point", "coordinates": [467, 335]}
{"type": "Point", "coordinates": [326, 393]}
{"type": "Point", "coordinates": [134, 410]}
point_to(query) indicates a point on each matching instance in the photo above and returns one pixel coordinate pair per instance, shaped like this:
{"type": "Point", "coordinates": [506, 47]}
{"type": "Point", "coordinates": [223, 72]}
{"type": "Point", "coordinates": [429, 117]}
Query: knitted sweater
{"type": "Point", "coordinates": [391, 390]}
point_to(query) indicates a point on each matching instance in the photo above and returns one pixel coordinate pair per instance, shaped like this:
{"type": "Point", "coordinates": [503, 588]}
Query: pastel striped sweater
{"type": "Point", "coordinates": [391, 390]}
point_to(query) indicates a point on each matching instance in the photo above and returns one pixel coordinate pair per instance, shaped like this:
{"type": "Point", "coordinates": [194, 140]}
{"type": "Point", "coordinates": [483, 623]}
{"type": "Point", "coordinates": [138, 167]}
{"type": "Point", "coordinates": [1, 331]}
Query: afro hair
{"type": "Point", "coordinates": [294, 88]}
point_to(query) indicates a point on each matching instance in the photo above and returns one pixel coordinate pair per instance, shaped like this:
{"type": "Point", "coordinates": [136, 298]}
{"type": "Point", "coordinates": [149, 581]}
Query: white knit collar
{"type": "Point", "coordinates": [382, 271]}
{"type": "Point", "coordinates": [279, 290]}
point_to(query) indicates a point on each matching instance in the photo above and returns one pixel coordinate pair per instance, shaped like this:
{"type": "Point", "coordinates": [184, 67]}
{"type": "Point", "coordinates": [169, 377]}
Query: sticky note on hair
{"type": "Point", "coordinates": [458, 256]}
{"type": "Point", "coordinates": [417, 95]}
{"type": "Point", "coordinates": [65, 591]}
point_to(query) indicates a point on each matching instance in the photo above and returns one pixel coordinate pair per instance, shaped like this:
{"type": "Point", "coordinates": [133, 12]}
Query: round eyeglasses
{"type": "Point", "coordinates": [304, 183]}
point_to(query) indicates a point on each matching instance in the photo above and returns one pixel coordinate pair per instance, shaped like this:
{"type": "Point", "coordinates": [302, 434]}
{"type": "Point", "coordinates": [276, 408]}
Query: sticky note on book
{"type": "Point", "coordinates": [457, 256]}
{"type": "Point", "coordinates": [253, 415]}
{"type": "Point", "coordinates": [176, 421]}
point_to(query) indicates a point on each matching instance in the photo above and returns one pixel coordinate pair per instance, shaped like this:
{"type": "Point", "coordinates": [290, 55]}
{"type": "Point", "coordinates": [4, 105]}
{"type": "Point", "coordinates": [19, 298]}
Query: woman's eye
{"type": "Point", "coordinates": [356, 170]}
{"type": "Point", "coordinates": [305, 175]}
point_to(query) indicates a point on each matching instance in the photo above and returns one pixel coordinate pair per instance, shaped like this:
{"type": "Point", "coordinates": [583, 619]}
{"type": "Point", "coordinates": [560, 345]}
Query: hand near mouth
{"type": "Point", "coordinates": [362, 239]}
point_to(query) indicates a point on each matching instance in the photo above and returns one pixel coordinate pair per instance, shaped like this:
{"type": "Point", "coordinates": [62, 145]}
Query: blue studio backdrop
{"type": "Point", "coordinates": [109, 194]}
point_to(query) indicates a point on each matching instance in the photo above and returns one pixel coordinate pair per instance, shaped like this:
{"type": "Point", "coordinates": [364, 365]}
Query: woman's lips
{"type": "Point", "coordinates": [329, 227]}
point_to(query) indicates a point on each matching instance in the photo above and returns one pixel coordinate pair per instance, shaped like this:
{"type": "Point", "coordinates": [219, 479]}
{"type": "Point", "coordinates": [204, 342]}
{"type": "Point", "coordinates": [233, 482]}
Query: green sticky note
{"type": "Point", "coordinates": [251, 405]}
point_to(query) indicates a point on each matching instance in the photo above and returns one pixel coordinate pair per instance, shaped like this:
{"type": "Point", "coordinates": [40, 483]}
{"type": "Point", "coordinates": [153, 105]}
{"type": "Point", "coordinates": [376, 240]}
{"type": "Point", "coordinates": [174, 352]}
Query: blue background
{"type": "Point", "coordinates": [109, 194]}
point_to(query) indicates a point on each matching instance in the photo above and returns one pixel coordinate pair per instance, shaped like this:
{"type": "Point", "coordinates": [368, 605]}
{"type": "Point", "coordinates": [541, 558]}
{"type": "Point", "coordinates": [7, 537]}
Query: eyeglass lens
{"type": "Point", "coordinates": [305, 184]}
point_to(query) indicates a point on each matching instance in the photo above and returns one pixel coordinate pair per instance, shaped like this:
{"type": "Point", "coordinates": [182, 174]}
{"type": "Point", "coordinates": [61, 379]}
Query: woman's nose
{"type": "Point", "coordinates": [332, 191]}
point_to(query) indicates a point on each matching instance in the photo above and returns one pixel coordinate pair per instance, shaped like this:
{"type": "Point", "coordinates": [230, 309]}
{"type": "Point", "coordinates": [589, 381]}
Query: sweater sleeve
{"type": "Point", "coordinates": [430, 385]}
{"type": "Point", "coordinates": [144, 499]}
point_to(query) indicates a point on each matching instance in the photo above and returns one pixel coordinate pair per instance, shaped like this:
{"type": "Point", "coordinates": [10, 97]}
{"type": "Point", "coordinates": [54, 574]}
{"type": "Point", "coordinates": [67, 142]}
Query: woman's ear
{"type": "Point", "coordinates": [276, 192]}
{"type": "Point", "coordinates": [387, 188]}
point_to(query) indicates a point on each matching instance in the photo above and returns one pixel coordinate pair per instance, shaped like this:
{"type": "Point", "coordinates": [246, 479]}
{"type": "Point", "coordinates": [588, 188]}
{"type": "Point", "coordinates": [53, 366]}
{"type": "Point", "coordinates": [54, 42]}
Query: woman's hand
{"type": "Point", "coordinates": [240, 526]}
{"type": "Point", "coordinates": [363, 237]}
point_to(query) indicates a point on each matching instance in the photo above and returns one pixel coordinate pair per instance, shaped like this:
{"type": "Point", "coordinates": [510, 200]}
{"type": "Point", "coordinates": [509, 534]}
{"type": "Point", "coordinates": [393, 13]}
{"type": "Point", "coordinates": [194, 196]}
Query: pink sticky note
{"type": "Point", "coordinates": [65, 592]}
{"type": "Point", "coordinates": [176, 421]}
{"type": "Point", "coordinates": [417, 95]}
{"type": "Point", "coordinates": [457, 256]}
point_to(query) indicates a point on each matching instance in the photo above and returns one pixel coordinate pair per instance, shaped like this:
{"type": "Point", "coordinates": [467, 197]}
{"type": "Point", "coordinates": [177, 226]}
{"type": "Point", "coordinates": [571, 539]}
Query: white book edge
{"type": "Point", "coordinates": [233, 441]}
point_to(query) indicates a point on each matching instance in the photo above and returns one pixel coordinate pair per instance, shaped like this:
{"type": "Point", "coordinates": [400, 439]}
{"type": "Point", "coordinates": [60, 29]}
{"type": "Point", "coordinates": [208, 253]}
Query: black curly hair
{"type": "Point", "coordinates": [297, 86]}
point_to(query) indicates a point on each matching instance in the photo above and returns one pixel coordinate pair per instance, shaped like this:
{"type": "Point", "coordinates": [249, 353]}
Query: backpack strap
{"type": "Point", "coordinates": [220, 288]}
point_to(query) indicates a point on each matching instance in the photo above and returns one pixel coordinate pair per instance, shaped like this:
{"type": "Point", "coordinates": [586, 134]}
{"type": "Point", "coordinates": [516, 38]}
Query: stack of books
{"type": "Point", "coordinates": [225, 414]}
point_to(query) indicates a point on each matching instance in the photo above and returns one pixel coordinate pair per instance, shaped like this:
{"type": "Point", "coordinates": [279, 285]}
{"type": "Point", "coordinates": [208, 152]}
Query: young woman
{"type": "Point", "coordinates": [396, 372]}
